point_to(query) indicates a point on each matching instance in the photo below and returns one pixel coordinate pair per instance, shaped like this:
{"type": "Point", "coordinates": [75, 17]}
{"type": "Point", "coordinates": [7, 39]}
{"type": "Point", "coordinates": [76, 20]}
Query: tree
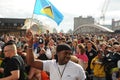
{"type": "Point", "coordinates": [61, 31]}
{"type": "Point", "coordinates": [54, 30]}
{"type": "Point", "coordinates": [70, 31]}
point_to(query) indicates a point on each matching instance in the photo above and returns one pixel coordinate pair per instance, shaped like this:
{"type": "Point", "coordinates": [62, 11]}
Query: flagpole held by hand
{"type": "Point", "coordinates": [33, 27]}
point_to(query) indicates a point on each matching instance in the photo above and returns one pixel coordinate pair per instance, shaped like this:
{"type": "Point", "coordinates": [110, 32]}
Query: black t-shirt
{"type": "Point", "coordinates": [14, 63]}
{"type": "Point", "coordinates": [91, 54]}
{"type": "Point", "coordinates": [43, 55]}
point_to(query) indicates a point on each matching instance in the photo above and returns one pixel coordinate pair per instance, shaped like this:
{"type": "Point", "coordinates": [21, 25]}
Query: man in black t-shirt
{"type": "Point", "coordinates": [44, 52]}
{"type": "Point", "coordinates": [13, 63]}
{"type": "Point", "coordinates": [91, 53]}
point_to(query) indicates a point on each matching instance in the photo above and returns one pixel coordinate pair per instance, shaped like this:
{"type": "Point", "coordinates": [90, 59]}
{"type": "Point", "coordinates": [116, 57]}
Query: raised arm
{"type": "Point", "coordinates": [30, 55]}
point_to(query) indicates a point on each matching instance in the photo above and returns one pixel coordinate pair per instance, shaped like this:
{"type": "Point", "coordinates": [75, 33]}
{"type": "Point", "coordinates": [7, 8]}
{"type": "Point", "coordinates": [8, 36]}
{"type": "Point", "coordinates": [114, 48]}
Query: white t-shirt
{"type": "Point", "coordinates": [72, 70]}
{"type": "Point", "coordinates": [48, 53]}
{"type": "Point", "coordinates": [118, 63]}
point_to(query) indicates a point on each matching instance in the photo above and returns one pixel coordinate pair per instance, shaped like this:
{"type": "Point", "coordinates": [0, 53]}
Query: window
{"type": "Point", "coordinates": [2, 24]}
{"type": "Point", "coordinates": [15, 24]}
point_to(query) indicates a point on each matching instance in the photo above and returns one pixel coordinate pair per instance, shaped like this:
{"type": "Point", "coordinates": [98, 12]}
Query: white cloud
{"type": "Point", "coordinates": [69, 8]}
{"type": "Point", "coordinates": [78, 7]}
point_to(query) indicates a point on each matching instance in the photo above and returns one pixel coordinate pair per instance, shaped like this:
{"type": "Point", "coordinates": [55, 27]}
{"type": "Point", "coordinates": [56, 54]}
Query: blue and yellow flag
{"type": "Point", "coordinates": [44, 7]}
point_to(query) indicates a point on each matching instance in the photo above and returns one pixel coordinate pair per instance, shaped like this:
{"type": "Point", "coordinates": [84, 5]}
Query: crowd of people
{"type": "Point", "coordinates": [58, 56]}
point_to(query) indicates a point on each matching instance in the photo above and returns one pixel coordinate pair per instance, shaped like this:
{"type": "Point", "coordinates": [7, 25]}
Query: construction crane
{"type": "Point", "coordinates": [103, 11]}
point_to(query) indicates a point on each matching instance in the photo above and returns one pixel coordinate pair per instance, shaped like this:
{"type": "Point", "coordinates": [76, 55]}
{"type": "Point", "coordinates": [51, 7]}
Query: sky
{"type": "Point", "coordinates": [69, 8]}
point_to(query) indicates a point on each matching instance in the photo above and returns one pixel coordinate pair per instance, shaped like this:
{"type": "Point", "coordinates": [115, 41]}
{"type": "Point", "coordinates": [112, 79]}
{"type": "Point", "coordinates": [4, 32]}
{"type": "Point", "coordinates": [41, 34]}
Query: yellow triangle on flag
{"type": "Point", "coordinates": [47, 11]}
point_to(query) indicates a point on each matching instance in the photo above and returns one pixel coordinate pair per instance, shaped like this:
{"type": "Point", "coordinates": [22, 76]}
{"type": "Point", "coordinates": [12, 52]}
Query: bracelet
{"type": "Point", "coordinates": [29, 47]}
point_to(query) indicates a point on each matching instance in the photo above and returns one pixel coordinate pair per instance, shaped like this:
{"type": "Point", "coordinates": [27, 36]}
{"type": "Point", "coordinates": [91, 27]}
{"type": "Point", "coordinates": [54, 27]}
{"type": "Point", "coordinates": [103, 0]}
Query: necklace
{"type": "Point", "coordinates": [61, 72]}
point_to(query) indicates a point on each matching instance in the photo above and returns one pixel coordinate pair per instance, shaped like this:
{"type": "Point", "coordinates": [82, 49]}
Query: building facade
{"type": "Point", "coordinates": [88, 25]}
{"type": "Point", "coordinates": [78, 21]}
{"type": "Point", "coordinates": [116, 25]}
{"type": "Point", "coordinates": [11, 26]}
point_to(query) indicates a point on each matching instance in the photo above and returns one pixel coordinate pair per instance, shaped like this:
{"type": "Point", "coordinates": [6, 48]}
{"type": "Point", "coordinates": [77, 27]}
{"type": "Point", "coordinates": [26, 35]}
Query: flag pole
{"type": "Point", "coordinates": [32, 16]}
{"type": "Point", "coordinates": [31, 21]}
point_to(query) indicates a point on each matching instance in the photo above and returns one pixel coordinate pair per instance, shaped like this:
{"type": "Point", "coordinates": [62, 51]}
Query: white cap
{"type": "Point", "coordinates": [0, 49]}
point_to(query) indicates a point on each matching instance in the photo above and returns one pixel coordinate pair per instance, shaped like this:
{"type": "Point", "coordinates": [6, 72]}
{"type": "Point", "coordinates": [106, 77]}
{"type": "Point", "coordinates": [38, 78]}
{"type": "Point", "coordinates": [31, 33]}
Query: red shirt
{"type": "Point", "coordinates": [82, 57]}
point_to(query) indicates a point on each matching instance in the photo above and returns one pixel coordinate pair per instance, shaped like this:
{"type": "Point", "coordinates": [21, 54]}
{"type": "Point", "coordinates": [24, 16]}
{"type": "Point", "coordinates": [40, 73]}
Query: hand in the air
{"type": "Point", "coordinates": [29, 37]}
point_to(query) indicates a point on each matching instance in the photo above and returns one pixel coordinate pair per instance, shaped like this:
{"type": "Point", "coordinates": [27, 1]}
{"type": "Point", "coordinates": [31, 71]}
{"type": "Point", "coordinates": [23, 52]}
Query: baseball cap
{"type": "Point", "coordinates": [62, 47]}
{"type": "Point", "coordinates": [41, 40]}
